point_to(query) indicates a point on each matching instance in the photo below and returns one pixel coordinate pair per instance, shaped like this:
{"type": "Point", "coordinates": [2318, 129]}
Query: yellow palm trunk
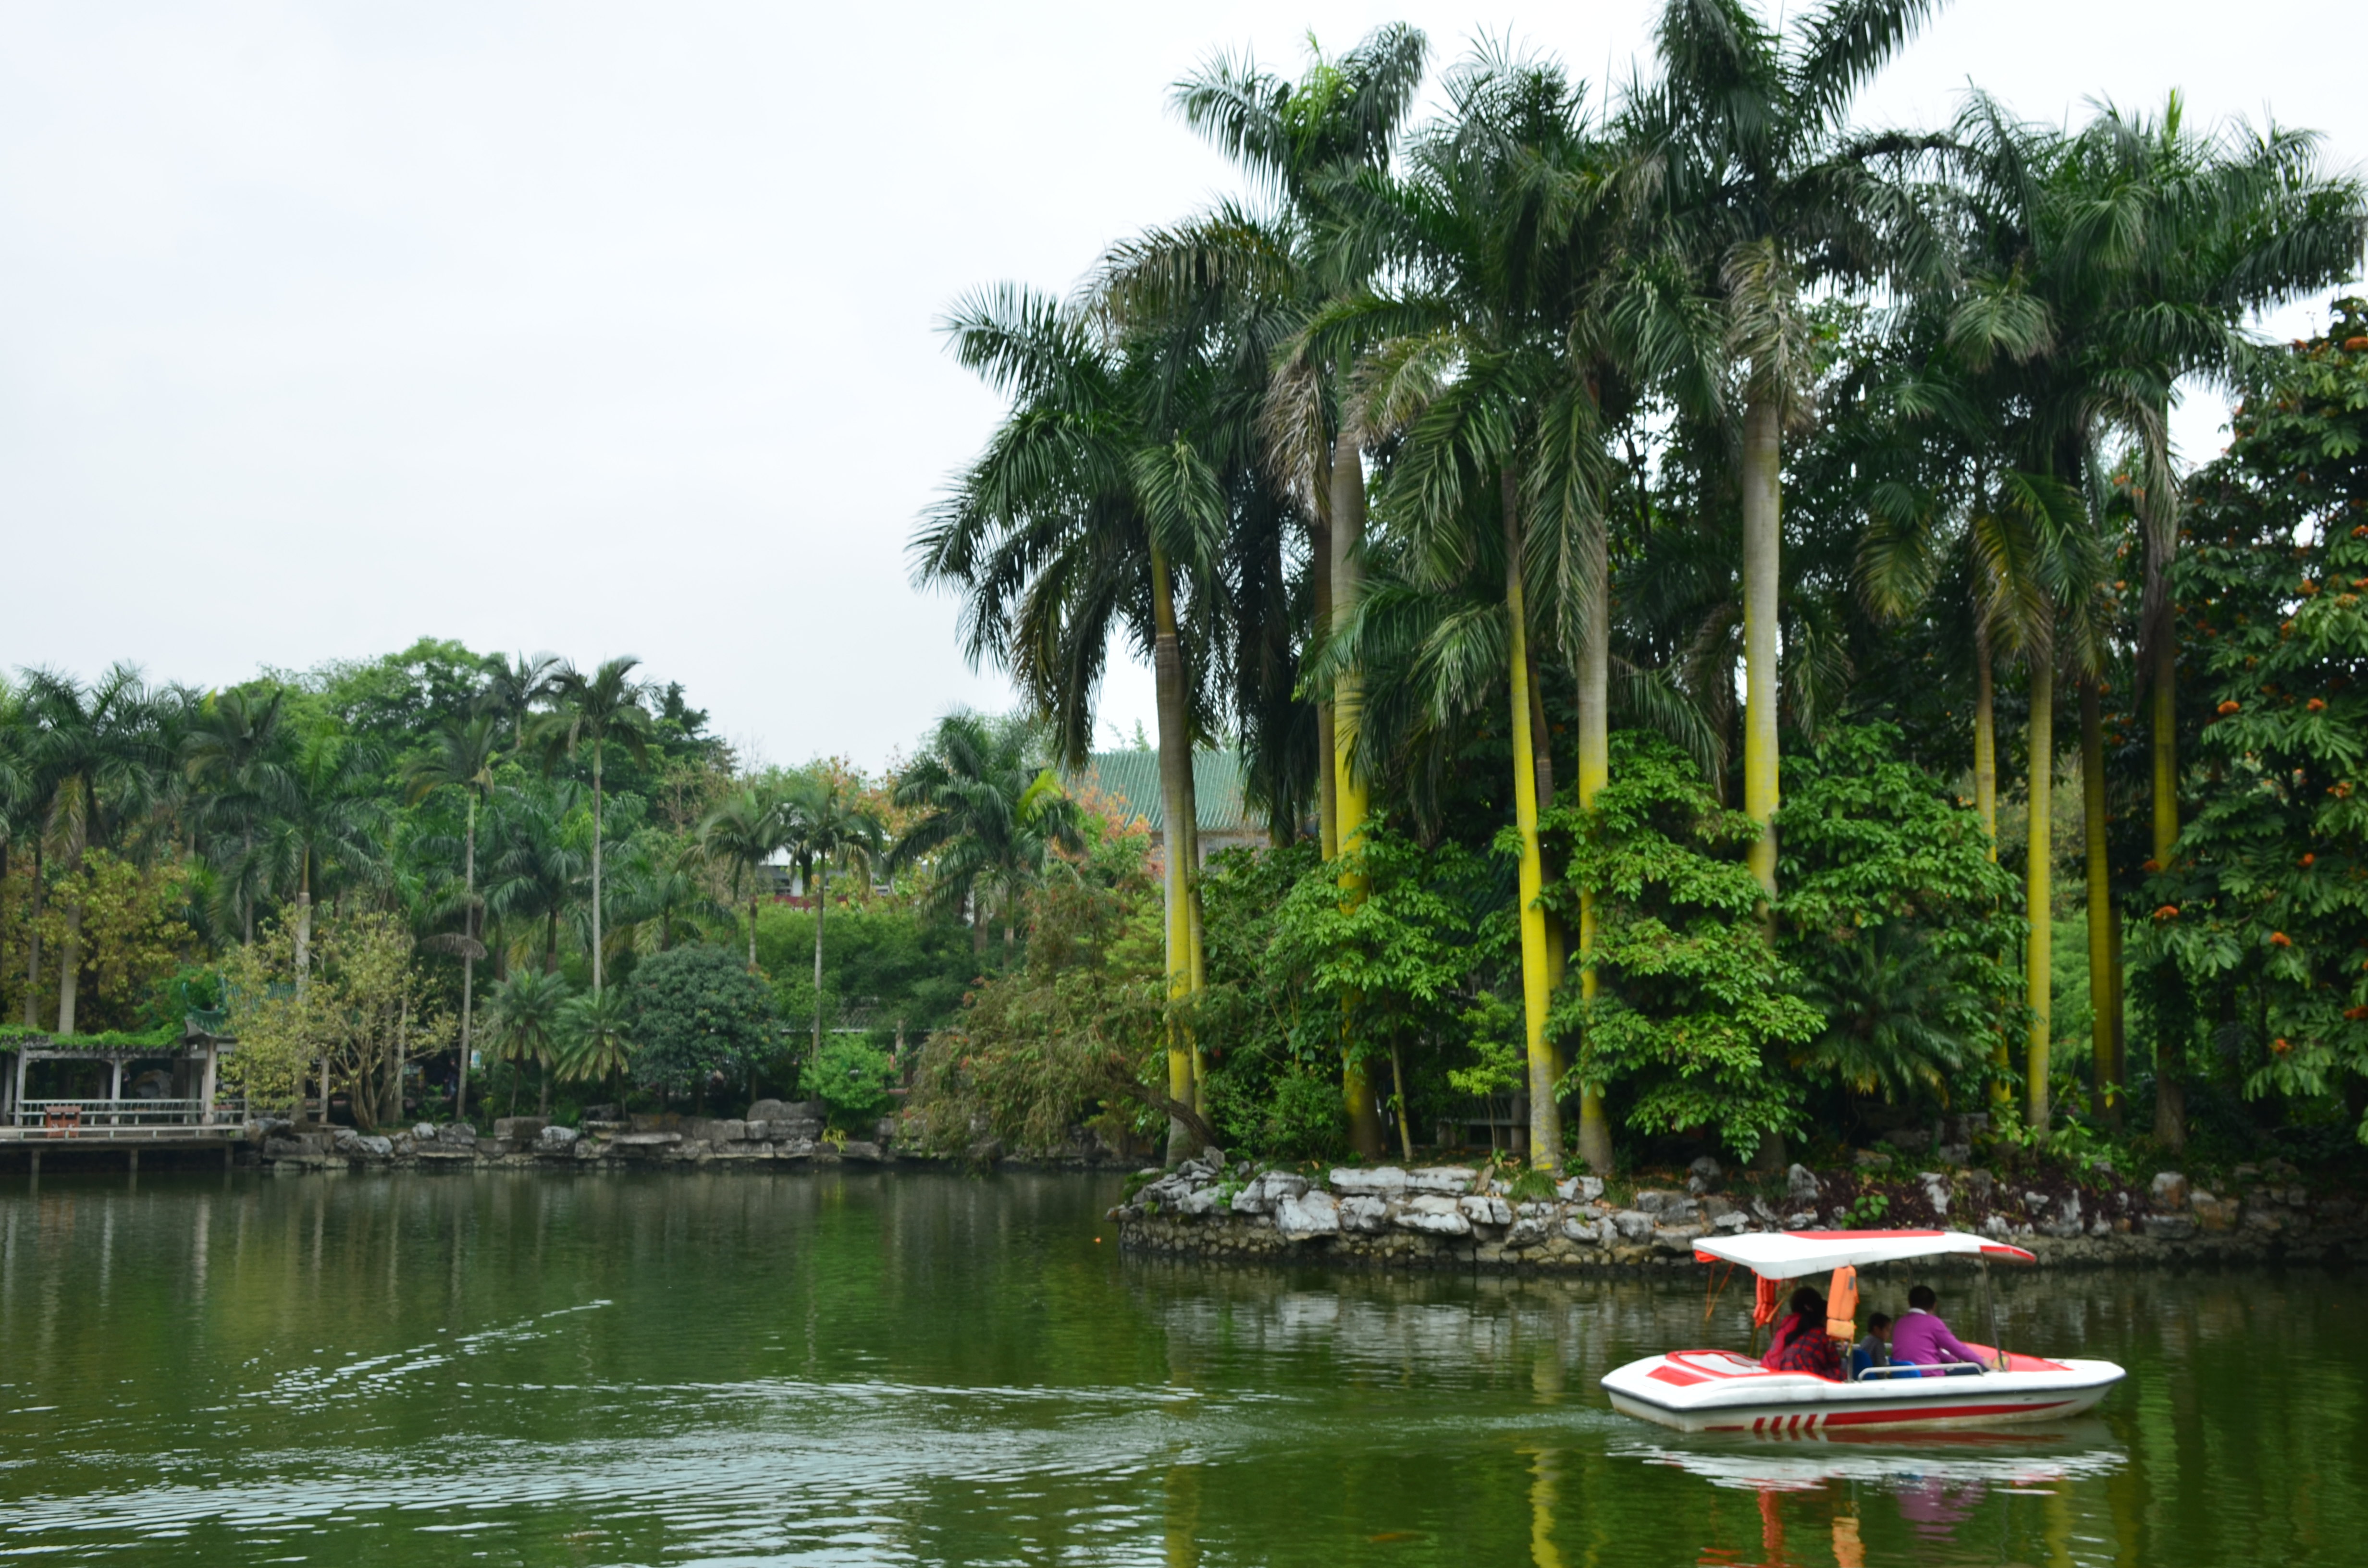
{"type": "Point", "coordinates": [1366, 1134]}
{"type": "Point", "coordinates": [2038, 962]}
{"type": "Point", "coordinates": [1174, 776]}
{"type": "Point", "coordinates": [1545, 1118]}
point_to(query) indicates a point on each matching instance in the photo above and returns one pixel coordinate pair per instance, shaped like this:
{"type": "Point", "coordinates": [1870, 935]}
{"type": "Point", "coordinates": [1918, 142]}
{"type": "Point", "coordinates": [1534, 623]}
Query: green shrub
{"type": "Point", "coordinates": [852, 1076]}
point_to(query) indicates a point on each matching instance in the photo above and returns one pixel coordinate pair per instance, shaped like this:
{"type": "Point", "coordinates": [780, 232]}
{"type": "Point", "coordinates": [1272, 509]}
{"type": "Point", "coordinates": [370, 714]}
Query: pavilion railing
{"type": "Point", "coordinates": [54, 1115]}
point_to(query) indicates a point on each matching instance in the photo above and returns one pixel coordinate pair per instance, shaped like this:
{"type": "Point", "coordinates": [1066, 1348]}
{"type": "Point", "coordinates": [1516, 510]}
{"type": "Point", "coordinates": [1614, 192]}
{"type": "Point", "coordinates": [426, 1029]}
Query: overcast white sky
{"type": "Point", "coordinates": [609, 329]}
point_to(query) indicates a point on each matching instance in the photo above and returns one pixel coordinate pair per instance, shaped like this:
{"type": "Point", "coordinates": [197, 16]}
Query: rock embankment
{"type": "Point", "coordinates": [775, 1134]}
{"type": "Point", "coordinates": [1463, 1217]}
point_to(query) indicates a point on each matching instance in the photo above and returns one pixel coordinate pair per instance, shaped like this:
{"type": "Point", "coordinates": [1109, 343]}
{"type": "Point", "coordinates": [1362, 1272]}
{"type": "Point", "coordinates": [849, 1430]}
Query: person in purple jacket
{"type": "Point", "coordinates": [1921, 1339]}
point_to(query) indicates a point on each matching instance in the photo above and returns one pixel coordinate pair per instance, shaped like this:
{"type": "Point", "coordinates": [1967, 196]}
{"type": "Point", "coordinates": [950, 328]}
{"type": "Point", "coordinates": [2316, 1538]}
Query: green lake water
{"type": "Point", "coordinates": [858, 1369]}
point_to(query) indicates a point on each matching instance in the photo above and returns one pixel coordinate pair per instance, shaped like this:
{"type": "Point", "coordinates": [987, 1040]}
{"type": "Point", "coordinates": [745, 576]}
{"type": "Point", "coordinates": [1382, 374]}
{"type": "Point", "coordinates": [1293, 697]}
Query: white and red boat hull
{"type": "Point", "coordinates": [1717, 1390]}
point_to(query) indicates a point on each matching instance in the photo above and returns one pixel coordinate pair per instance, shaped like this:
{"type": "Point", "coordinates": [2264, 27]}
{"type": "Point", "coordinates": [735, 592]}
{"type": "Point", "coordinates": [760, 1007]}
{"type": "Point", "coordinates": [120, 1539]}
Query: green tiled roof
{"type": "Point", "coordinates": [1130, 780]}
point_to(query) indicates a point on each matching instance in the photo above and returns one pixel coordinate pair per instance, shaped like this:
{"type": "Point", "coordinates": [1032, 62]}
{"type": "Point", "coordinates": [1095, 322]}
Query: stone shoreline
{"type": "Point", "coordinates": [777, 1134]}
{"type": "Point", "coordinates": [1457, 1216]}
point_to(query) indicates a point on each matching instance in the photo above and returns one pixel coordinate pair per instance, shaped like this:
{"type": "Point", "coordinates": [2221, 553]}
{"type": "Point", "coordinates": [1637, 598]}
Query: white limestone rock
{"type": "Point", "coordinates": [1385, 1182]}
{"type": "Point", "coordinates": [1486, 1210]}
{"type": "Point", "coordinates": [1303, 1215]}
{"type": "Point", "coordinates": [1431, 1215]}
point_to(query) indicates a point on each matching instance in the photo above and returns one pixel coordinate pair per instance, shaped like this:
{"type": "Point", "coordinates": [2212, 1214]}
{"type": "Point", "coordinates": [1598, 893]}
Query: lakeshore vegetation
{"type": "Point", "coordinates": [1635, 542]}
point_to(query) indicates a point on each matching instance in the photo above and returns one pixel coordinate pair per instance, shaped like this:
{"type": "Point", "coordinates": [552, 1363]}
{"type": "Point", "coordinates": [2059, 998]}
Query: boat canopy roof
{"type": "Point", "coordinates": [1788, 1255]}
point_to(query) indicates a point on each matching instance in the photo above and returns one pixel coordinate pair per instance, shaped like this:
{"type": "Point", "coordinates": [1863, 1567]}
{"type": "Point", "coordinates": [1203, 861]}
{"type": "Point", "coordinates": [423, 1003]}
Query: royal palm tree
{"type": "Point", "coordinates": [990, 811]}
{"type": "Point", "coordinates": [596, 710]}
{"type": "Point", "coordinates": [742, 835]}
{"type": "Point", "coordinates": [828, 825]}
{"type": "Point", "coordinates": [462, 758]}
{"type": "Point", "coordinates": [1746, 134]}
{"type": "Point", "coordinates": [1094, 510]}
{"type": "Point", "coordinates": [1507, 236]}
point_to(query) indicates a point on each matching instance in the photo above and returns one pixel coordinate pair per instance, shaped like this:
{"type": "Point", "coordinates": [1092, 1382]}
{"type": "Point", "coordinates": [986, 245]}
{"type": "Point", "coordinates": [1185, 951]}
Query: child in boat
{"type": "Point", "coordinates": [1922, 1339]}
{"type": "Point", "coordinates": [1874, 1350]}
{"type": "Point", "coordinates": [1802, 1344]}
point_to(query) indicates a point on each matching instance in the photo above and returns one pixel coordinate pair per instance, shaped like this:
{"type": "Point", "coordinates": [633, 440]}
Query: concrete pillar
{"type": "Point", "coordinates": [17, 1098]}
{"type": "Point", "coordinates": [206, 1090]}
{"type": "Point", "coordinates": [115, 1079]}
{"type": "Point", "coordinates": [132, 1157]}
{"type": "Point", "coordinates": [37, 1163]}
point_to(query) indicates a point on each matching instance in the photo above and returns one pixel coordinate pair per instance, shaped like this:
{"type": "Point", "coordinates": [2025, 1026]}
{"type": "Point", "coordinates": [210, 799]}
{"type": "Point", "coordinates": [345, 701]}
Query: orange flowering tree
{"type": "Point", "coordinates": [2255, 954]}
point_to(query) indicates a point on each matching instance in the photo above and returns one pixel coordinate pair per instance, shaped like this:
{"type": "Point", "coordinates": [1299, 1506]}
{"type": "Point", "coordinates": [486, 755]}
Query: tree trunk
{"type": "Point", "coordinates": [1594, 772]}
{"type": "Point", "coordinates": [1349, 799]}
{"type": "Point", "coordinates": [596, 869]}
{"type": "Point", "coordinates": [304, 922]}
{"type": "Point", "coordinates": [2104, 973]}
{"type": "Point", "coordinates": [1986, 803]}
{"type": "Point", "coordinates": [1985, 736]}
{"type": "Point", "coordinates": [1762, 457]}
{"type": "Point", "coordinates": [819, 884]}
{"type": "Point", "coordinates": [70, 947]}
{"type": "Point", "coordinates": [1327, 803]}
{"type": "Point", "coordinates": [1175, 795]}
{"type": "Point", "coordinates": [1545, 1115]}
{"type": "Point", "coordinates": [33, 938]}
{"type": "Point", "coordinates": [752, 930]}
{"type": "Point", "coordinates": [2038, 968]}
{"type": "Point", "coordinates": [1397, 1081]}
{"type": "Point", "coordinates": [70, 968]}
{"type": "Point", "coordinates": [468, 965]}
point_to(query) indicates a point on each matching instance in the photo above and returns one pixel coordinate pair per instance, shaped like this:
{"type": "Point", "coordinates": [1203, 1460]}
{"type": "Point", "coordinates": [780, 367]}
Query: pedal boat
{"type": "Point", "coordinates": [1720, 1391]}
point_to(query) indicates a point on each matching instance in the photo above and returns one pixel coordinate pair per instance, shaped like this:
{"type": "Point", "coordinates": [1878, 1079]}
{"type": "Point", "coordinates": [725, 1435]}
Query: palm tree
{"type": "Point", "coordinates": [1300, 140]}
{"type": "Point", "coordinates": [990, 812]}
{"type": "Point", "coordinates": [535, 863]}
{"type": "Point", "coordinates": [236, 751]}
{"type": "Point", "coordinates": [1300, 144]}
{"type": "Point", "coordinates": [1508, 237]}
{"type": "Point", "coordinates": [743, 833]}
{"type": "Point", "coordinates": [326, 827]}
{"type": "Point", "coordinates": [512, 688]}
{"type": "Point", "coordinates": [95, 758]}
{"type": "Point", "coordinates": [596, 709]}
{"type": "Point", "coordinates": [659, 890]}
{"type": "Point", "coordinates": [828, 824]}
{"type": "Point", "coordinates": [1095, 509]}
{"type": "Point", "coordinates": [596, 1039]}
{"type": "Point", "coordinates": [524, 1017]}
{"type": "Point", "coordinates": [1746, 133]}
{"type": "Point", "coordinates": [462, 758]}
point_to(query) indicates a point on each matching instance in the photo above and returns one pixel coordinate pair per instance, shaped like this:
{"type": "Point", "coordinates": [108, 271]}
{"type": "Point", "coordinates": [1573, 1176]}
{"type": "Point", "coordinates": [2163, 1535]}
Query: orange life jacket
{"type": "Point", "coordinates": [1842, 1304]}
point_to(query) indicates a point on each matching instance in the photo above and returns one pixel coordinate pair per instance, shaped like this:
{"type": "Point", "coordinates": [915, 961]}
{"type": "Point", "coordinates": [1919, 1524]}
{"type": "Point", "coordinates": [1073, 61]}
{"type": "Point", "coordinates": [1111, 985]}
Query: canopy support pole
{"type": "Point", "coordinates": [1990, 1312]}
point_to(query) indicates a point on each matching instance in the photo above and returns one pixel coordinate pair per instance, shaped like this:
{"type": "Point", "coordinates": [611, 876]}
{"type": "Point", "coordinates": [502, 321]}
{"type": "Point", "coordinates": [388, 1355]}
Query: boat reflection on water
{"type": "Point", "coordinates": [1937, 1479]}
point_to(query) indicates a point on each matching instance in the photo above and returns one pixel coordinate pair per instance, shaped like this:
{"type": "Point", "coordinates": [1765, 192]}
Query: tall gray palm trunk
{"type": "Point", "coordinates": [468, 957]}
{"type": "Point", "coordinates": [819, 885]}
{"type": "Point", "coordinates": [1762, 539]}
{"type": "Point", "coordinates": [70, 947]}
{"type": "Point", "coordinates": [33, 940]}
{"type": "Point", "coordinates": [596, 867]}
